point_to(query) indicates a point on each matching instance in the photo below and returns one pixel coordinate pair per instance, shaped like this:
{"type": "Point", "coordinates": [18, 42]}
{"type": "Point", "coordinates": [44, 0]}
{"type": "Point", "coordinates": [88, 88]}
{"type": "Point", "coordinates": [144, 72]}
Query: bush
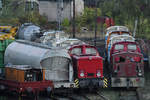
{"type": "Point", "coordinates": [65, 22]}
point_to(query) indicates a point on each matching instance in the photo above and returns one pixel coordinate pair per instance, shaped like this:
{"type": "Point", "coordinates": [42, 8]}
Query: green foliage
{"type": "Point", "coordinates": [33, 17]}
{"type": "Point", "coordinates": [65, 22]}
{"type": "Point", "coordinates": [12, 21]}
{"type": "Point", "coordinates": [14, 14]}
{"type": "Point", "coordinates": [88, 18]}
{"type": "Point", "coordinates": [125, 12]}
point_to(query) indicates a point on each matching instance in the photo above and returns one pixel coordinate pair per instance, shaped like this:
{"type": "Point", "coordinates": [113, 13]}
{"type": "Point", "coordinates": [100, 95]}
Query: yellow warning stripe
{"type": "Point", "coordinates": [105, 86]}
{"type": "Point", "coordinates": [105, 83]}
{"type": "Point", "coordinates": [76, 80]}
{"type": "Point", "coordinates": [105, 79]}
{"type": "Point", "coordinates": [77, 83]}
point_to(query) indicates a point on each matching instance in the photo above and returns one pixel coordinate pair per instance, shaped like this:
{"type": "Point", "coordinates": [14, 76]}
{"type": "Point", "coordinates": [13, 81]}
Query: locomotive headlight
{"type": "Point", "coordinates": [82, 73]}
{"type": "Point", "coordinates": [140, 73]}
{"type": "Point", "coordinates": [28, 75]}
{"type": "Point", "coordinates": [98, 73]}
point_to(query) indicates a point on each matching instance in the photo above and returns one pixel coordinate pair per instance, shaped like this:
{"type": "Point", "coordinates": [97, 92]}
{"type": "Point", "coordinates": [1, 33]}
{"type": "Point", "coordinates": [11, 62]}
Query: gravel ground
{"type": "Point", "coordinates": [145, 92]}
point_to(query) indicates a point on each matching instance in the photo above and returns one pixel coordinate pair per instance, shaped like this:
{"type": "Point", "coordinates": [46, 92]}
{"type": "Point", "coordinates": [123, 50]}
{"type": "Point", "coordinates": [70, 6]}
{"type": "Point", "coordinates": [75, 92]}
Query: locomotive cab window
{"type": "Point", "coordinates": [132, 47]}
{"type": "Point", "coordinates": [125, 34]}
{"type": "Point", "coordinates": [91, 51]}
{"type": "Point", "coordinates": [114, 34]}
{"type": "Point", "coordinates": [76, 51]}
{"type": "Point", "coordinates": [116, 40]}
{"type": "Point", "coordinates": [119, 47]}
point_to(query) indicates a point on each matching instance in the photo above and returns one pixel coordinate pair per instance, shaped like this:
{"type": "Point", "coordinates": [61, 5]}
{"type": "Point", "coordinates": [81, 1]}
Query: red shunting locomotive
{"type": "Point", "coordinates": [87, 65]}
{"type": "Point", "coordinates": [127, 68]}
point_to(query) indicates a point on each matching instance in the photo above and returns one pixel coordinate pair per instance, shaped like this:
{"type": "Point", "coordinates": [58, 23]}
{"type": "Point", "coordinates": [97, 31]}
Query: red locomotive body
{"type": "Point", "coordinates": [126, 66]}
{"type": "Point", "coordinates": [88, 65]}
{"type": "Point", "coordinates": [109, 22]}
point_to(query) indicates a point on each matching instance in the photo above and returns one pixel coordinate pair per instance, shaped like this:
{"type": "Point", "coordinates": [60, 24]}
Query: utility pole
{"type": "Point", "coordinates": [74, 24]}
{"type": "Point", "coordinates": [95, 22]}
{"type": "Point", "coordinates": [70, 11]}
{"type": "Point", "coordinates": [1, 7]}
{"type": "Point", "coordinates": [135, 27]}
{"type": "Point", "coordinates": [59, 13]}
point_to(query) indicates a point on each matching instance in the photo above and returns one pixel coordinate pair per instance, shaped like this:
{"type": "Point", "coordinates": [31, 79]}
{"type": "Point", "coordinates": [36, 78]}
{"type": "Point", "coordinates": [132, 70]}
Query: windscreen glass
{"type": "Point", "coordinates": [132, 47]}
{"type": "Point", "coordinates": [76, 51]}
{"type": "Point", "coordinates": [90, 51]}
{"type": "Point", "coordinates": [119, 47]}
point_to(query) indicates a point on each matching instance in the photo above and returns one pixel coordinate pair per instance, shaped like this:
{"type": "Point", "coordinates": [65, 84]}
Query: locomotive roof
{"type": "Point", "coordinates": [122, 42]}
{"type": "Point", "coordinates": [82, 44]}
{"type": "Point", "coordinates": [121, 36]}
{"type": "Point", "coordinates": [117, 28]}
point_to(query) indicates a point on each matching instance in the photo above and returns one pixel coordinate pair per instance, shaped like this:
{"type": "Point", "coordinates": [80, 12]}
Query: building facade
{"type": "Point", "coordinates": [59, 9]}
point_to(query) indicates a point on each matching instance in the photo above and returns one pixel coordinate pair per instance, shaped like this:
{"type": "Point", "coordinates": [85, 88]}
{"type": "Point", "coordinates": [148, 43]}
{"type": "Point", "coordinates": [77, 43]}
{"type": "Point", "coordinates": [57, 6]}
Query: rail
{"type": "Point", "coordinates": [130, 95]}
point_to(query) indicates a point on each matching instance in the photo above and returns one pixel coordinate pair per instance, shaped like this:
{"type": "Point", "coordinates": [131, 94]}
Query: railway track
{"type": "Point", "coordinates": [68, 97]}
{"type": "Point", "coordinates": [102, 96]}
{"type": "Point", "coordinates": [81, 96]}
{"type": "Point", "coordinates": [121, 94]}
{"type": "Point", "coordinates": [129, 95]}
{"type": "Point", "coordinates": [94, 96]}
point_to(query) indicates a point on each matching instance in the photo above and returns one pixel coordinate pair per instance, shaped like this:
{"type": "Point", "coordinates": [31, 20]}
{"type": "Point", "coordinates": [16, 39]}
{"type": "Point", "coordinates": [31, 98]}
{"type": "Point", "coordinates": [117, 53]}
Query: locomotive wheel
{"type": "Point", "coordinates": [49, 94]}
{"type": "Point", "coordinates": [36, 95]}
{"type": "Point", "coordinates": [19, 96]}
